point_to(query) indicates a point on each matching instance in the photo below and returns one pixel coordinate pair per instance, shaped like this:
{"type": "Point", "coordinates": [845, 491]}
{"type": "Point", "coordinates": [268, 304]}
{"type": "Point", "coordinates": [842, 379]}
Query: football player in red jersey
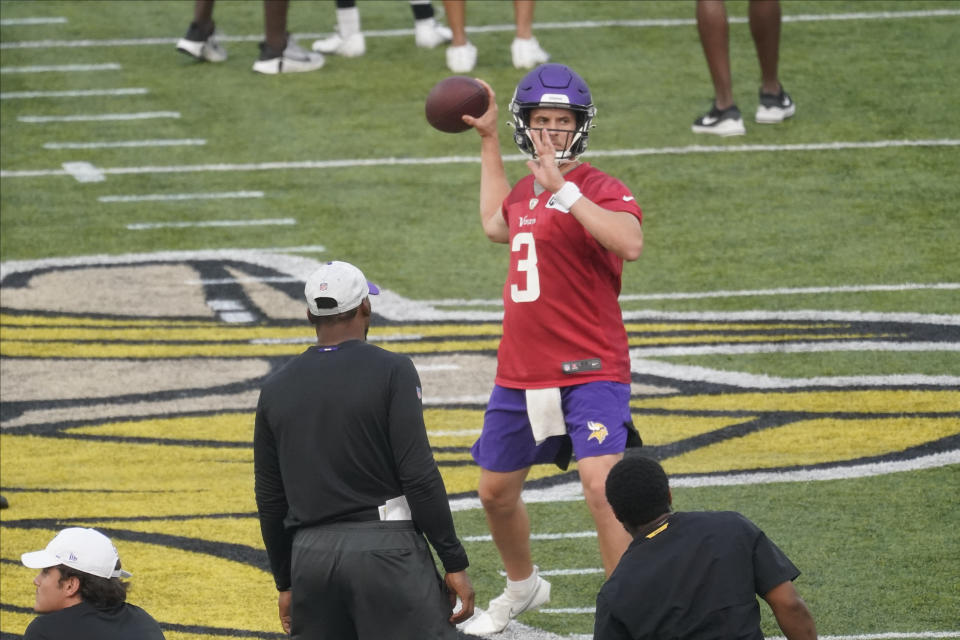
{"type": "Point", "coordinates": [563, 367]}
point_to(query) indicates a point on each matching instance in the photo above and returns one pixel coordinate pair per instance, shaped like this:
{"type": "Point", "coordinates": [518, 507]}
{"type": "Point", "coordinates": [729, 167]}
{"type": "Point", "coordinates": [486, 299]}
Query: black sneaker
{"type": "Point", "coordinates": [775, 108]}
{"type": "Point", "coordinates": [727, 122]}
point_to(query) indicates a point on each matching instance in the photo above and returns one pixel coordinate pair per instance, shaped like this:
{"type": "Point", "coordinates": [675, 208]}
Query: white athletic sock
{"type": "Point", "coordinates": [523, 588]}
{"type": "Point", "coordinates": [348, 21]}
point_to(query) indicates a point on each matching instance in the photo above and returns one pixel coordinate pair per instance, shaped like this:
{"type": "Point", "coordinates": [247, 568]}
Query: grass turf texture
{"type": "Point", "coordinates": [878, 554]}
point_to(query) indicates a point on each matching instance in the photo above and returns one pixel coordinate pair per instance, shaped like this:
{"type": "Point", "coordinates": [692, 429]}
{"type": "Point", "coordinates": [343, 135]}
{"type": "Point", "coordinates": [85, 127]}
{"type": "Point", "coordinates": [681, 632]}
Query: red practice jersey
{"type": "Point", "coordinates": [562, 323]}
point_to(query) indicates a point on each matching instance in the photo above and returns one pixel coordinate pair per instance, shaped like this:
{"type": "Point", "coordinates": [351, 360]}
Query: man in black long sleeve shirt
{"type": "Point", "coordinates": [339, 433]}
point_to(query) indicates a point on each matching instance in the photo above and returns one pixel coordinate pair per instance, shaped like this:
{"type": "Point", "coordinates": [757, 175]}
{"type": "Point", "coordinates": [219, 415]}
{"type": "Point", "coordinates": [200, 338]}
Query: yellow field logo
{"type": "Point", "coordinates": [129, 387]}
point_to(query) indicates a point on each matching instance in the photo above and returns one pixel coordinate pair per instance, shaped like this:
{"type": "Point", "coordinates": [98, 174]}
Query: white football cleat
{"type": "Point", "coordinates": [505, 608]}
{"type": "Point", "coordinates": [353, 46]}
{"type": "Point", "coordinates": [527, 54]}
{"type": "Point", "coordinates": [462, 59]}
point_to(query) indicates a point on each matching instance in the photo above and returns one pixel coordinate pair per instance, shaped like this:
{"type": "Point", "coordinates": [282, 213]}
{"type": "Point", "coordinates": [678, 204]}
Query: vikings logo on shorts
{"type": "Point", "coordinates": [598, 432]}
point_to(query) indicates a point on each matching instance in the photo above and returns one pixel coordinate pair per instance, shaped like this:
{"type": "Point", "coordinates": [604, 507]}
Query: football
{"type": "Point", "coordinates": [452, 98]}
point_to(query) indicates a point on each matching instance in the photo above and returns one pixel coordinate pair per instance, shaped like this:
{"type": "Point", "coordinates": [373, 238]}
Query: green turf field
{"type": "Point", "coordinates": [794, 320]}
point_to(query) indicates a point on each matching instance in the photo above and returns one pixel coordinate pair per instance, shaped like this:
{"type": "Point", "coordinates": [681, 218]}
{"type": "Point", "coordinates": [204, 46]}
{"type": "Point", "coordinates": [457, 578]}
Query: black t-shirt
{"type": "Point", "coordinates": [695, 579]}
{"type": "Point", "coordinates": [84, 622]}
{"type": "Point", "coordinates": [339, 431]}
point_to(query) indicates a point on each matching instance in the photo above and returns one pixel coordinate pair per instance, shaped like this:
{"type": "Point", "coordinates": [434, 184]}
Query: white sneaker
{"type": "Point", "coordinates": [462, 59]}
{"type": "Point", "coordinates": [352, 46]}
{"type": "Point", "coordinates": [527, 53]}
{"type": "Point", "coordinates": [428, 34]}
{"type": "Point", "coordinates": [202, 48]}
{"type": "Point", "coordinates": [505, 608]}
{"type": "Point", "coordinates": [293, 59]}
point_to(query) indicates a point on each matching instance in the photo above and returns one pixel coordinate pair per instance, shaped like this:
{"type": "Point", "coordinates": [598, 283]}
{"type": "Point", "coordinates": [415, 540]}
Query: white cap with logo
{"type": "Point", "coordinates": [337, 287]}
{"type": "Point", "coordinates": [85, 550]}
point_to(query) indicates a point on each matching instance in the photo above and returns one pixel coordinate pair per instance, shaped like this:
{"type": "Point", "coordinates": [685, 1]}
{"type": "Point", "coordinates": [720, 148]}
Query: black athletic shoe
{"type": "Point", "coordinates": [728, 122]}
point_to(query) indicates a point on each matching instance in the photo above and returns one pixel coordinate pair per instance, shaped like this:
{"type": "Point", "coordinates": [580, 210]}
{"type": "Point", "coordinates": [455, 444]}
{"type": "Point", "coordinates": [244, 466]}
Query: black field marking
{"type": "Point", "coordinates": [241, 553]}
{"type": "Point", "coordinates": [674, 449]}
{"type": "Point", "coordinates": [13, 409]}
{"type": "Point", "coordinates": [774, 420]}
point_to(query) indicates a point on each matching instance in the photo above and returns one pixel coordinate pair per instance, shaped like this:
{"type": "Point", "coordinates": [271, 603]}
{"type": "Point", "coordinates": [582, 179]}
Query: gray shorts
{"type": "Point", "coordinates": [367, 581]}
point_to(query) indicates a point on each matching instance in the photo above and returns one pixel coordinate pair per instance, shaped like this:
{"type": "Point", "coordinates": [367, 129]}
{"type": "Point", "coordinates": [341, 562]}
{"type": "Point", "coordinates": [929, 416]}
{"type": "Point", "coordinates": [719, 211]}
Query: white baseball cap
{"type": "Point", "coordinates": [339, 286]}
{"type": "Point", "coordinates": [85, 550]}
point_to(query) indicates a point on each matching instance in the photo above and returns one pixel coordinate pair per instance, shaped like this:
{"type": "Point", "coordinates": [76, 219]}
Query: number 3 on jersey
{"type": "Point", "coordinates": [527, 266]}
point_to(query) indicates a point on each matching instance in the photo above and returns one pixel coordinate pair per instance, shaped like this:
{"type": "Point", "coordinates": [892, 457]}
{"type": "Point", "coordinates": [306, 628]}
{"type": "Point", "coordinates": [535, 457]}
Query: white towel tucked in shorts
{"type": "Point", "coordinates": [545, 413]}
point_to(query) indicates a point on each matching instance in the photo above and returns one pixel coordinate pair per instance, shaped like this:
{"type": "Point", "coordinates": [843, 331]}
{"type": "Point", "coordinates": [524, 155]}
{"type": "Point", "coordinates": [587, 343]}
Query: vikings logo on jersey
{"type": "Point", "coordinates": [598, 431]}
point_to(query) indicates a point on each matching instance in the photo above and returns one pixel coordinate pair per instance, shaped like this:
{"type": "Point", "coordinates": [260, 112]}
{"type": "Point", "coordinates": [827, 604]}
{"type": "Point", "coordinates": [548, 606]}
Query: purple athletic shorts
{"type": "Point", "coordinates": [596, 413]}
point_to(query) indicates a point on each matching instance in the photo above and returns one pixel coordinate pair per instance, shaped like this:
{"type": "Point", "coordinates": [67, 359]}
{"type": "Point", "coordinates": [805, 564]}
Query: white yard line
{"type": "Point", "coordinates": [63, 68]}
{"type": "Point", "coordinates": [20, 22]}
{"type": "Point", "coordinates": [75, 93]}
{"type": "Point", "coordinates": [570, 535]}
{"type": "Point", "coordinates": [141, 226]}
{"type": "Point", "coordinates": [384, 162]}
{"type": "Point", "coordinates": [133, 144]}
{"type": "Point", "coordinates": [167, 197]}
{"type": "Point", "coordinates": [95, 117]}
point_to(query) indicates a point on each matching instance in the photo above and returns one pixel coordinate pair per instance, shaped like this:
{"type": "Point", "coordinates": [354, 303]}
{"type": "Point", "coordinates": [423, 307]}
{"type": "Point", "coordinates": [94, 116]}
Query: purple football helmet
{"type": "Point", "coordinates": [554, 86]}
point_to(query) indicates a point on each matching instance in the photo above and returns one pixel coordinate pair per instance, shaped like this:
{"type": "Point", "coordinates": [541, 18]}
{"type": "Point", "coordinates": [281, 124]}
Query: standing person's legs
{"type": "Point", "coordinates": [275, 23]}
{"type": "Point", "coordinates": [611, 536]}
{"type": "Point", "coordinates": [279, 53]}
{"type": "Point", "coordinates": [776, 105]}
{"type": "Point", "coordinates": [200, 41]}
{"type": "Point", "coordinates": [427, 34]}
{"type": "Point", "coordinates": [601, 428]}
{"type": "Point", "coordinates": [500, 494]}
{"type": "Point", "coordinates": [456, 11]}
{"type": "Point", "coordinates": [348, 40]}
{"type": "Point", "coordinates": [715, 39]}
{"type": "Point", "coordinates": [525, 50]}
{"type": "Point", "coordinates": [505, 451]}
{"type": "Point", "coordinates": [523, 16]}
{"type": "Point", "coordinates": [765, 28]}
{"type": "Point", "coordinates": [203, 14]}
{"type": "Point", "coordinates": [461, 54]}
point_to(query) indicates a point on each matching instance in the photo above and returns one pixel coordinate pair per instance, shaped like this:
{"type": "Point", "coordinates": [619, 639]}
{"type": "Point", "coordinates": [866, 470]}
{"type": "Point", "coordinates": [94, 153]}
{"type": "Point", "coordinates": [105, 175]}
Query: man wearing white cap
{"type": "Point", "coordinates": [347, 487]}
{"type": "Point", "coordinates": [81, 592]}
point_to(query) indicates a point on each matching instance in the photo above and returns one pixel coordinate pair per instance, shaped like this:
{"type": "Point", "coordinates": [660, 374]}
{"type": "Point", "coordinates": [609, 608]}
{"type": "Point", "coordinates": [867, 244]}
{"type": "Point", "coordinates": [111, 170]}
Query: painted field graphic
{"type": "Point", "coordinates": [134, 413]}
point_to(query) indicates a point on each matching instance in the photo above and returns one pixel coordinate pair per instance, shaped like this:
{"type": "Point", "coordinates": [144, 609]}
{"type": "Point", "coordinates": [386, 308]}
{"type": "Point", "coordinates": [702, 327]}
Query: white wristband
{"type": "Point", "coordinates": [567, 195]}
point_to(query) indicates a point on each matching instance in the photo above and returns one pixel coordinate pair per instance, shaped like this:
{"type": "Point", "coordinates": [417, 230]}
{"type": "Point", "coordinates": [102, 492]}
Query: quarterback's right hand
{"type": "Point", "coordinates": [486, 125]}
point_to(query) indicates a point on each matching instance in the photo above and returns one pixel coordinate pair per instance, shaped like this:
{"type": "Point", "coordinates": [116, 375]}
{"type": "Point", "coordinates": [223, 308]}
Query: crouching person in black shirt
{"type": "Point", "coordinates": [347, 486]}
{"type": "Point", "coordinates": [691, 575]}
{"type": "Point", "coordinates": [81, 593]}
